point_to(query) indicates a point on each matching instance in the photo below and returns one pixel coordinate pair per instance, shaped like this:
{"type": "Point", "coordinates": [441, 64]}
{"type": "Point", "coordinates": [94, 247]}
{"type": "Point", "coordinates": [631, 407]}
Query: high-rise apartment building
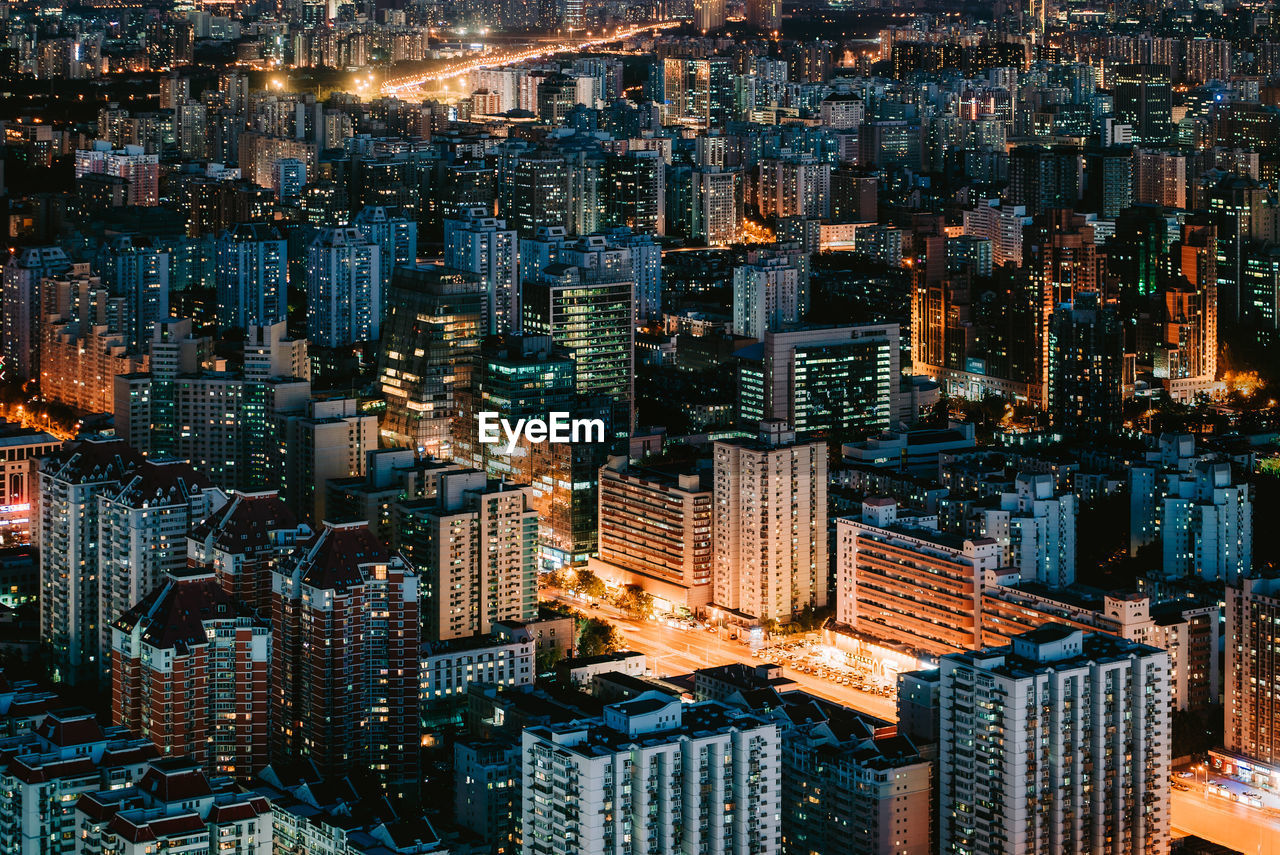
{"type": "Point", "coordinates": [765, 15]}
{"type": "Point", "coordinates": [136, 269]}
{"type": "Point", "coordinates": [1035, 526]}
{"type": "Point", "coordinates": [475, 547]}
{"type": "Point", "coordinates": [766, 297]}
{"type": "Point", "coordinates": [82, 348]}
{"type": "Point", "coordinates": [716, 206]}
{"type": "Point", "coordinates": [70, 484]}
{"type": "Point", "coordinates": [243, 541]}
{"type": "Point", "coordinates": [252, 276]}
{"type": "Point", "coordinates": [1253, 664]}
{"type": "Point", "coordinates": [795, 186]}
{"type": "Point", "coordinates": [131, 163]}
{"type": "Point", "coordinates": [482, 244]}
{"type": "Point", "coordinates": [344, 287]}
{"type": "Point", "coordinates": [652, 774]}
{"type": "Point", "coordinates": [770, 524]}
{"type": "Point", "coordinates": [23, 303]}
{"type": "Point", "coordinates": [327, 438]}
{"type": "Point", "coordinates": [435, 320]}
{"type": "Point", "coordinates": [190, 669]}
{"type": "Point", "coordinates": [142, 534]}
{"type": "Point", "coordinates": [655, 532]}
{"type": "Point", "coordinates": [396, 237]}
{"type": "Point", "coordinates": [1059, 742]}
{"type": "Point", "coordinates": [708, 15]}
{"type": "Point", "coordinates": [345, 640]}
{"type": "Point", "coordinates": [900, 580]}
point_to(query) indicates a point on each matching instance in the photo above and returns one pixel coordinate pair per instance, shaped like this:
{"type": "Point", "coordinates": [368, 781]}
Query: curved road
{"type": "Point", "coordinates": [1247, 829]}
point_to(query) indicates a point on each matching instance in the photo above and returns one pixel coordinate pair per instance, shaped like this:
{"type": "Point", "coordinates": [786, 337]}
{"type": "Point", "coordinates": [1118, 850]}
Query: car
{"type": "Point", "coordinates": [1185, 774]}
{"type": "Point", "coordinates": [595, 605]}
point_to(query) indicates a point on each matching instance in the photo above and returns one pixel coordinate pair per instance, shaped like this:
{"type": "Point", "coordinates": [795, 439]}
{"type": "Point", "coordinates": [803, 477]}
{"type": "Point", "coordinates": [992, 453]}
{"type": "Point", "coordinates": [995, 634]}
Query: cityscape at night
{"type": "Point", "coordinates": [640, 427]}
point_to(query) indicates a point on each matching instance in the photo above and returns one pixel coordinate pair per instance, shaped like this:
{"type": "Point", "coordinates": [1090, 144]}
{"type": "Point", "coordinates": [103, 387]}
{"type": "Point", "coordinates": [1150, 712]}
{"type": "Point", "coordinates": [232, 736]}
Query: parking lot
{"type": "Point", "coordinates": [807, 656]}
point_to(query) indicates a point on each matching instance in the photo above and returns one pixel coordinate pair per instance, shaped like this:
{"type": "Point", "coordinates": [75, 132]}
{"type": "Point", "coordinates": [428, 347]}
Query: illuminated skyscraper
{"type": "Point", "coordinates": [708, 15]}
{"type": "Point", "coordinates": [1143, 99]}
{"type": "Point", "coordinates": [344, 287]}
{"type": "Point", "coordinates": [252, 276]}
{"type": "Point", "coordinates": [435, 320]}
{"type": "Point", "coordinates": [483, 245]}
{"type": "Point", "coordinates": [765, 15]}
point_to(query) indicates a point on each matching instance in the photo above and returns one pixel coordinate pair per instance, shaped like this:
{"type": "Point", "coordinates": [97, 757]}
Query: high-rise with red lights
{"type": "Point", "coordinates": [345, 657]}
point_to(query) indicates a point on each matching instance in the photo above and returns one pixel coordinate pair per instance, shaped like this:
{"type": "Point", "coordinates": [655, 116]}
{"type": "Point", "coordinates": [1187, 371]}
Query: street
{"type": "Point", "coordinates": [672, 651]}
{"type": "Point", "coordinates": [1227, 823]}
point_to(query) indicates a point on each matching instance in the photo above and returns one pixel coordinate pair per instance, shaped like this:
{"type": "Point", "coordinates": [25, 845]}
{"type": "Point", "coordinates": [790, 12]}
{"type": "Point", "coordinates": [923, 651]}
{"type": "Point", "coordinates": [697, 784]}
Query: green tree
{"type": "Point", "coordinates": [588, 584]}
{"type": "Point", "coordinates": [597, 637]}
{"type": "Point", "coordinates": [635, 601]}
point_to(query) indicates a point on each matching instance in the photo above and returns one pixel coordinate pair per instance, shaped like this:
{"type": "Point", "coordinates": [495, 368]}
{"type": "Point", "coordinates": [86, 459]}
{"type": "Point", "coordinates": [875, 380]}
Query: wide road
{"type": "Point", "coordinates": [1246, 829]}
{"type": "Point", "coordinates": [671, 651]}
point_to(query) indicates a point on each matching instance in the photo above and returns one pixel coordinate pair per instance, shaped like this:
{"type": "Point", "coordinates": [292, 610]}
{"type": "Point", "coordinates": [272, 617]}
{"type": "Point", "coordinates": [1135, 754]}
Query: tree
{"type": "Point", "coordinates": [597, 637]}
{"type": "Point", "coordinates": [635, 601]}
{"type": "Point", "coordinates": [588, 584]}
{"type": "Point", "coordinates": [547, 660]}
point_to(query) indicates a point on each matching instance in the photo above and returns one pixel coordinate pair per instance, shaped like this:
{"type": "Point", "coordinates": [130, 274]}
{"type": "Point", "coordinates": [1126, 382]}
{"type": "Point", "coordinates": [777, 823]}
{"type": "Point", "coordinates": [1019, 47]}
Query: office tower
{"type": "Point", "coordinates": [436, 318]}
{"type": "Point", "coordinates": [1236, 206]}
{"type": "Point", "coordinates": [1138, 251]}
{"type": "Point", "coordinates": [586, 305]}
{"type": "Point", "coordinates": [475, 547]}
{"type": "Point", "coordinates": [1252, 718]}
{"type": "Point", "coordinates": [252, 276]}
{"type": "Point", "coordinates": [655, 532]}
{"type": "Point", "coordinates": [708, 15]}
{"type": "Point", "coordinates": [483, 245]}
{"type": "Point", "coordinates": [698, 93]}
{"type": "Point", "coordinates": [1035, 526]}
{"type": "Point", "coordinates": [48, 768]}
{"type": "Point", "coordinates": [855, 196]}
{"type": "Point", "coordinates": [70, 484]}
{"type": "Point", "coordinates": [1086, 367]}
{"type": "Point", "coordinates": [900, 580]}
{"type": "Point", "coordinates": [344, 287]}
{"type": "Point", "coordinates": [797, 186]}
{"type": "Point", "coordinates": [173, 806]}
{"type": "Point", "coordinates": [137, 270]}
{"type": "Point", "coordinates": [834, 381]}
{"type": "Point", "coordinates": [766, 297]}
{"type": "Point", "coordinates": [345, 641]}
{"type": "Point", "coordinates": [1043, 178]}
{"type": "Point", "coordinates": [1108, 181]}
{"type": "Point", "coordinates": [770, 524]}
{"type": "Point", "coordinates": [1143, 100]}
{"type": "Point", "coordinates": [181, 659]}
{"type": "Point", "coordinates": [131, 163]}
{"type": "Point", "coordinates": [24, 273]}
{"type": "Point", "coordinates": [764, 15]}
{"type": "Point", "coordinates": [395, 236]}
{"type": "Point", "coordinates": [539, 194]}
{"type": "Point", "coordinates": [716, 209]}
{"type": "Point", "coordinates": [635, 192]}
{"type": "Point", "coordinates": [1072, 748]}
{"type": "Point", "coordinates": [579, 797]}
{"type": "Point", "coordinates": [242, 542]}
{"type": "Point", "coordinates": [142, 531]}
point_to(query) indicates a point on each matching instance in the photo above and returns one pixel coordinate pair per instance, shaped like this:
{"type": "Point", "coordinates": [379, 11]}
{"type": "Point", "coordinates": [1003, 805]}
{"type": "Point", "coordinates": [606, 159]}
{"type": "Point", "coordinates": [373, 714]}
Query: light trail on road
{"type": "Point", "coordinates": [403, 84]}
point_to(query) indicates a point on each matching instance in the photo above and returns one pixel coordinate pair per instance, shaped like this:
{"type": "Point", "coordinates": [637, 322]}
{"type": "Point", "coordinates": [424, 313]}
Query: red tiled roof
{"type": "Point", "coordinates": [74, 726]}
{"type": "Point", "coordinates": [175, 780]}
{"type": "Point", "coordinates": [172, 616]}
{"type": "Point", "coordinates": [332, 560]}
{"type": "Point", "coordinates": [246, 522]}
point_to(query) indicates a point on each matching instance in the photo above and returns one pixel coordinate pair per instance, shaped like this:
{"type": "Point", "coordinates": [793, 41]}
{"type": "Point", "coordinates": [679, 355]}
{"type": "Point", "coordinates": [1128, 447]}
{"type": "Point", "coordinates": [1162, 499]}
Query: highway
{"type": "Point", "coordinates": [403, 85]}
{"type": "Point", "coordinates": [672, 651]}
